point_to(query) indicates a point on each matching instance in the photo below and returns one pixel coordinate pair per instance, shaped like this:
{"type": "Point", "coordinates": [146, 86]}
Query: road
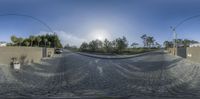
{"type": "Point", "coordinates": [154, 75]}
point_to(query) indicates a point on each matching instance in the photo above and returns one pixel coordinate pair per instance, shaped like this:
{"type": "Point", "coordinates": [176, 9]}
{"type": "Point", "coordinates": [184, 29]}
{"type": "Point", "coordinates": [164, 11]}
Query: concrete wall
{"type": "Point", "coordinates": [24, 54]}
{"type": "Point", "coordinates": [171, 51]}
{"type": "Point", "coordinates": [50, 52]}
{"type": "Point", "coordinates": [193, 54]}
{"type": "Point", "coordinates": [182, 52]}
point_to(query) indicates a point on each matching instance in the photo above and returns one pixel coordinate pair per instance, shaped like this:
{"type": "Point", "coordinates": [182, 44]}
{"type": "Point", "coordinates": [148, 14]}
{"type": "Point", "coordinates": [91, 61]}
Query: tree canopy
{"type": "Point", "coordinates": [48, 40]}
{"type": "Point", "coordinates": [116, 45]}
{"type": "Point", "coordinates": [179, 42]}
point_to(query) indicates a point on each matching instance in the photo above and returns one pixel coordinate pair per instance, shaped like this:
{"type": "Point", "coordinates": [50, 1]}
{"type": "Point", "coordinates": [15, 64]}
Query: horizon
{"type": "Point", "coordinates": [79, 21]}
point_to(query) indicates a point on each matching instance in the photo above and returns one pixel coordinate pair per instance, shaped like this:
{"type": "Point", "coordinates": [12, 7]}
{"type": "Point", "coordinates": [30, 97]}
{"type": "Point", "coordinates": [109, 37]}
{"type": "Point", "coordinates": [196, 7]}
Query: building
{"type": "Point", "coordinates": [195, 45]}
{"type": "Point", "coordinates": [3, 44]}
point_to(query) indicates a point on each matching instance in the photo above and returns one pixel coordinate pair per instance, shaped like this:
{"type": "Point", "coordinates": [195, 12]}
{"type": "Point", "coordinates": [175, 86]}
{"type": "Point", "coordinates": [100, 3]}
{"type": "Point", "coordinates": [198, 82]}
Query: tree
{"type": "Point", "coordinates": [52, 40]}
{"type": "Point", "coordinates": [26, 43]}
{"type": "Point", "coordinates": [134, 45]}
{"type": "Point", "coordinates": [49, 43]}
{"type": "Point", "coordinates": [20, 40]}
{"type": "Point", "coordinates": [93, 45]}
{"type": "Point", "coordinates": [150, 41]}
{"type": "Point", "coordinates": [84, 46]}
{"type": "Point", "coordinates": [115, 46]}
{"type": "Point", "coordinates": [158, 45]}
{"type": "Point", "coordinates": [187, 42]}
{"type": "Point", "coordinates": [168, 44]}
{"type": "Point", "coordinates": [38, 39]}
{"type": "Point", "coordinates": [45, 42]}
{"type": "Point", "coordinates": [107, 45]}
{"type": "Point", "coordinates": [121, 43]}
{"type": "Point", "coordinates": [193, 42]}
{"type": "Point", "coordinates": [55, 40]}
{"type": "Point", "coordinates": [144, 38]}
{"type": "Point", "coordinates": [32, 38]}
{"type": "Point", "coordinates": [14, 39]}
{"type": "Point", "coordinates": [99, 44]}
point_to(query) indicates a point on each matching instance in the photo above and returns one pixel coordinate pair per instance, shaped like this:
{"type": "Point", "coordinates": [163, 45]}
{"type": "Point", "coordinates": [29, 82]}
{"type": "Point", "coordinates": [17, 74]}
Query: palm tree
{"type": "Point", "coordinates": [27, 43]}
{"type": "Point", "coordinates": [38, 39]}
{"type": "Point", "coordinates": [144, 38]}
{"type": "Point", "coordinates": [20, 40]}
{"type": "Point", "coordinates": [45, 42]}
{"type": "Point", "coordinates": [49, 43]}
{"type": "Point", "coordinates": [157, 45]}
{"type": "Point", "coordinates": [14, 39]}
{"type": "Point", "coordinates": [150, 41]}
{"type": "Point", "coordinates": [32, 38]}
{"type": "Point", "coordinates": [186, 42]}
{"type": "Point", "coordinates": [168, 44]}
{"type": "Point", "coordinates": [134, 44]}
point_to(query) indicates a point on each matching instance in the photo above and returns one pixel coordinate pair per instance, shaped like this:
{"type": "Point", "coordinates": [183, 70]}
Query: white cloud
{"type": "Point", "coordinates": [42, 33]}
{"type": "Point", "coordinates": [66, 38]}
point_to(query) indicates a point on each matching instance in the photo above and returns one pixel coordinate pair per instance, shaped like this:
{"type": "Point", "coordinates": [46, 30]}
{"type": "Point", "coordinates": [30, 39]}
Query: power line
{"type": "Point", "coordinates": [189, 18]}
{"type": "Point", "coordinates": [34, 18]}
{"type": "Point", "coordinates": [176, 26]}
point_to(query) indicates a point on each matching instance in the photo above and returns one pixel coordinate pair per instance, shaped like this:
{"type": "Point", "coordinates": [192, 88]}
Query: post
{"type": "Point", "coordinates": [175, 37]}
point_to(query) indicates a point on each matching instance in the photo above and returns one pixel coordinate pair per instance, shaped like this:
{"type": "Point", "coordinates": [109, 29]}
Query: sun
{"type": "Point", "coordinates": [99, 34]}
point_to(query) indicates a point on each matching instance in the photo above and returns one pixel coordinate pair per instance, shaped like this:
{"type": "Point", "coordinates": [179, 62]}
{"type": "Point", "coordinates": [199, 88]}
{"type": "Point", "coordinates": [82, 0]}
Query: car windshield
{"type": "Point", "coordinates": [100, 49]}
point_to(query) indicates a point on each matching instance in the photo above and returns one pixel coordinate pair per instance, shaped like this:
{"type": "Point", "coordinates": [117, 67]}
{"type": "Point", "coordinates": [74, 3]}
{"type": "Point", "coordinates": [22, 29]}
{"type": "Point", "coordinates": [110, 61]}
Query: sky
{"type": "Point", "coordinates": [76, 21]}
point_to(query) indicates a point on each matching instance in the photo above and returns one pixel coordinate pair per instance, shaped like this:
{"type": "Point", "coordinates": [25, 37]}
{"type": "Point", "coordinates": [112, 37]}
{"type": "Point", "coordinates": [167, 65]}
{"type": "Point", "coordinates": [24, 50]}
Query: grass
{"type": "Point", "coordinates": [128, 51]}
{"type": "Point", "coordinates": [132, 51]}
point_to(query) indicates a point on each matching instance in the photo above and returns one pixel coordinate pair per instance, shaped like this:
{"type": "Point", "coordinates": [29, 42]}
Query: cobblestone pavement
{"type": "Point", "coordinates": [154, 75]}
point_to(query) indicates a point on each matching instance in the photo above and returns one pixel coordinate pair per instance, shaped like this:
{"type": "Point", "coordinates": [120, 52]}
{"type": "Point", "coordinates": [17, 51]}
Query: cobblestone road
{"type": "Point", "coordinates": [72, 75]}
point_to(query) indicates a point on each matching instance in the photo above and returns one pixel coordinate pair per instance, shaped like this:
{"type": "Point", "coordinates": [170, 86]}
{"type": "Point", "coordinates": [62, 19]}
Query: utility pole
{"type": "Point", "coordinates": [175, 38]}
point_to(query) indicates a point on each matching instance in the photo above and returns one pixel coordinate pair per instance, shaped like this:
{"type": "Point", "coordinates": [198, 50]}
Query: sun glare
{"type": "Point", "coordinates": [100, 37]}
{"type": "Point", "coordinates": [100, 34]}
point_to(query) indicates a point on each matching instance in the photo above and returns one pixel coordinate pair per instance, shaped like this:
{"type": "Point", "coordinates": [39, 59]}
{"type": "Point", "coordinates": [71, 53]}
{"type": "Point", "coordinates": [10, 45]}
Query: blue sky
{"type": "Point", "coordinates": [76, 21]}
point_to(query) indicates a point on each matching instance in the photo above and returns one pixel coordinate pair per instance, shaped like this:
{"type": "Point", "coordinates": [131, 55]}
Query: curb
{"type": "Point", "coordinates": [112, 57]}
